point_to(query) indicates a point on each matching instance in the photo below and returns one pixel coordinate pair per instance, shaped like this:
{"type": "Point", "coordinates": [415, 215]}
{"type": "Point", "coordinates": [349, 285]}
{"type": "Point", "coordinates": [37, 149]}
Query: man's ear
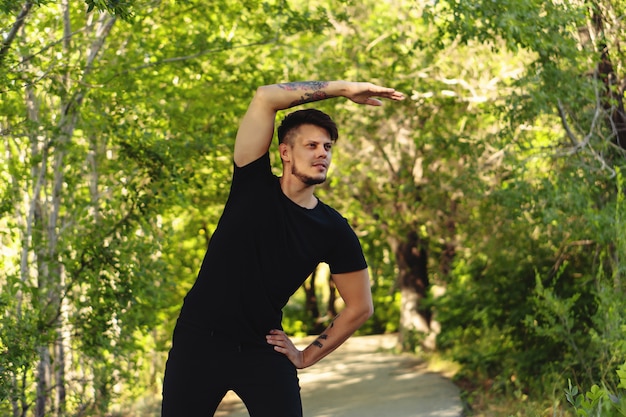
{"type": "Point", "coordinates": [285, 152]}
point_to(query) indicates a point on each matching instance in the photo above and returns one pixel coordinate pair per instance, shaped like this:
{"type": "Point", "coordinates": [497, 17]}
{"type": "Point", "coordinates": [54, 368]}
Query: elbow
{"type": "Point", "coordinates": [264, 95]}
{"type": "Point", "coordinates": [359, 314]}
{"type": "Point", "coordinates": [367, 311]}
{"type": "Point", "coordinates": [262, 91]}
{"type": "Point", "coordinates": [271, 97]}
{"type": "Point", "coordinates": [261, 94]}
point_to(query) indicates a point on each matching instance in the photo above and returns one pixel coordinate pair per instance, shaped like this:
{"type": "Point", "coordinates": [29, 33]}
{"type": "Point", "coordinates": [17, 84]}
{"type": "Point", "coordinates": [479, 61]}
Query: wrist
{"type": "Point", "coordinates": [338, 88]}
{"type": "Point", "coordinates": [304, 363]}
{"type": "Point", "coordinates": [308, 357]}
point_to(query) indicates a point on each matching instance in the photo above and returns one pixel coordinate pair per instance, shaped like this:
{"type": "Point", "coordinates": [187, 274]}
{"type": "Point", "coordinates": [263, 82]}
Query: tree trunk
{"type": "Point", "coordinates": [311, 302]}
{"type": "Point", "coordinates": [445, 267]}
{"type": "Point", "coordinates": [412, 258]}
{"type": "Point", "coordinates": [310, 298]}
{"type": "Point", "coordinates": [331, 309]}
{"type": "Point", "coordinates": [43, 381]}
{"type": "Point", "coordinates": [613, 100]}
{"type": "Point", "coordinates": [62, 351]}
{"type": "Point", "coordinates": [449, 248]}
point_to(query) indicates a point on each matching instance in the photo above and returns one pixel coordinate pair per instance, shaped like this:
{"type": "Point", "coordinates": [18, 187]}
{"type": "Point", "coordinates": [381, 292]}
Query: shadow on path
{"type": "Point", "coordinates": [361, 379]}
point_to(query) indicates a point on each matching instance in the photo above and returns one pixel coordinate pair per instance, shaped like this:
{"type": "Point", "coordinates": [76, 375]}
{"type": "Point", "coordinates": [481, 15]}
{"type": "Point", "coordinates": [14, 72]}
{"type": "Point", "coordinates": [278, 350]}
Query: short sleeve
{"type": "Point", "coordinates": [346, 253]}
{"type": "Point", "coordinates": [251, 176]}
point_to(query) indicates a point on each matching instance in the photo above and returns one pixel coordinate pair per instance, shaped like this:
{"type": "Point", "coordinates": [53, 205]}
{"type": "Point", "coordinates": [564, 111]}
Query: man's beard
{"type": "Point", "coordinates": [306, 179]}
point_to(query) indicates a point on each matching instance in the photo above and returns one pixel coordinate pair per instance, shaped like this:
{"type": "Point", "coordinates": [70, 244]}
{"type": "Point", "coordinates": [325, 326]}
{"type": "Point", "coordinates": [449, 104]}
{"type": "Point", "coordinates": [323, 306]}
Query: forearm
{"type": "Point", "coordinates": [341, 328]}
{"type": "Point", "coordinates": [257, 127]}
{"type": "Point", "coordinates": [286, 95]}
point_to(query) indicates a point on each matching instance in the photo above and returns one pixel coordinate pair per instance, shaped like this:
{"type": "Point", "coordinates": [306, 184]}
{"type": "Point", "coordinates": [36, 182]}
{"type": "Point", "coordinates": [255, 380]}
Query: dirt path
{"type": "Point", "coordinates": [361, 379]}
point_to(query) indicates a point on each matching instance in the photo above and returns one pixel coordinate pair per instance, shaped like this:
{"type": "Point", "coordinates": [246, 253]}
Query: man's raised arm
{"type": "Point", "coordinates": [256, 130]}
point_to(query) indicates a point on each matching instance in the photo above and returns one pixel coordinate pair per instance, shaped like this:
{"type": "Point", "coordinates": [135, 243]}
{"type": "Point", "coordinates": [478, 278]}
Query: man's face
{"type": "Point", "coordinates": [311, 154]}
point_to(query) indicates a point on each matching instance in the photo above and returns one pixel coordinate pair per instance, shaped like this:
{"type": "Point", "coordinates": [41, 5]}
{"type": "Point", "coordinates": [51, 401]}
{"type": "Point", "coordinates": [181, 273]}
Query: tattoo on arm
{"type": "Point", "coordinates": [324, 336]}
{"type": "Point", "coordinates": [317, 342]}
{"type": "Point", "coordinates": [304, 85]}
{"type": "Point", "coordinates": [311, 91]}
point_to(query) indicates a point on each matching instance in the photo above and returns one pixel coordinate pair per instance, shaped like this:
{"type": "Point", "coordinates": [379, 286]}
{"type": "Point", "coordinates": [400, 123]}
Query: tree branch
{"type": "Point", "coordinates": [572, 137]}
{"type": "Point", "coordinates": [192, 56]}
{"type": "Point", "coordinates": [586, 142]}
{"type": "Point", "coordinates": [19, 22]}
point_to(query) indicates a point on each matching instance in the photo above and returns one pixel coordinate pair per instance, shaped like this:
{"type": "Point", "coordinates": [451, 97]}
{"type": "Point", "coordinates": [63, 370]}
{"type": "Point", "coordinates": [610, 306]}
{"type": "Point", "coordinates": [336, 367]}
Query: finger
{"type": "Point", "coordinates": [392, 94]}
{"type": "Point", "coordinates": [373, 102]}
{"type": "Point", "coordinates": [397, 96]}
{"type": "Point", "coordinates": [275, 339]}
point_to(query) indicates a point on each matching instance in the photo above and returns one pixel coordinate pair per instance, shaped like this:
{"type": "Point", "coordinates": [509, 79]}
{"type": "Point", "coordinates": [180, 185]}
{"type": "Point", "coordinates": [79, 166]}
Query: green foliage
{"type": "Point", "coordinates": [386, 318]}
{"type": "Point", "coordinates": [119, 155]}
{"type": "Point", "coordinates": [535, 296]}
{"type": "Point", "coordinates": [542, 26]}
{"type": "Point", "coordinates": [17, 356]}
{"type": "Point", "coordinates": [121, 8]}
{"type": "Point", "coordinates": [533, 310]}
{"type": "Point", "coordinates": [527, 244]}
{"type": "Point", "coordinates": [599, 401]}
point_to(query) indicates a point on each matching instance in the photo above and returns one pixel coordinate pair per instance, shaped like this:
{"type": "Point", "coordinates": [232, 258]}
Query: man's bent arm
{"type": "Point", "coordinates": [256, 130]}
{"type": "Point", "coordinates": [354, 288]}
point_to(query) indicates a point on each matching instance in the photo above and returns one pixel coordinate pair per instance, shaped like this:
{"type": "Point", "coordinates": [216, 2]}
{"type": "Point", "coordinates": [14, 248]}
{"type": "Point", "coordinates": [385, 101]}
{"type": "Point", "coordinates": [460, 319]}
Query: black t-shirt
{"type": "Point", "coordinates": [263, 249]}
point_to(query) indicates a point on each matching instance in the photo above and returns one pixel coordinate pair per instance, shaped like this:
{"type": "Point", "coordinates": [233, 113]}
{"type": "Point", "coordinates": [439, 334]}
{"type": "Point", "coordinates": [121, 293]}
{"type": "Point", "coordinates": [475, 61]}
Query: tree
{"type": "Point", "coordinates": [408, 175]}
{"type": "Point", "coordinates": [104, 128]}
{"type": "Point", "coordinates": [536, 299]}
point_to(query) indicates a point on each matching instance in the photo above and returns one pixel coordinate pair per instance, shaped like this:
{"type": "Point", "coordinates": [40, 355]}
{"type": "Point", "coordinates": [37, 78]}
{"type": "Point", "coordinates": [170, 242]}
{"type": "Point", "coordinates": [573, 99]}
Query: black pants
{"type": "Point", "coordinates": [202, 368]}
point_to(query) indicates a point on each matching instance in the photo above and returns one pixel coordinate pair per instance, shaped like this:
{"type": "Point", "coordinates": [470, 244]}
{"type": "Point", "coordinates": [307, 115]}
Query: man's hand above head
{"type": "Point", "coordinates": [365, 93]}
{"type": "Point", "coordinates": [257, 127]}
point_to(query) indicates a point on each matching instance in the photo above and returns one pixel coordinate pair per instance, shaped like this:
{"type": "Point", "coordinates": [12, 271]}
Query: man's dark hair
{"type": "Point", "coordinates": [307, 116]}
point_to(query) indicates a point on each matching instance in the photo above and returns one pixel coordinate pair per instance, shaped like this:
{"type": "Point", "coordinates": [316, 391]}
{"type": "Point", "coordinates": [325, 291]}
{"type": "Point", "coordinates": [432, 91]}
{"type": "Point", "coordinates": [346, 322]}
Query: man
{"type": "Point", "coordinates": [272, 234]}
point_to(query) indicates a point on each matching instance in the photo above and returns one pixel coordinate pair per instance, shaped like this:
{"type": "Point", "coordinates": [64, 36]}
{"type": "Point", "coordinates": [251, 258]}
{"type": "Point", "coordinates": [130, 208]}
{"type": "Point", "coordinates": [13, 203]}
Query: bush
{"type": "Point", "coordinates": [599, 401]}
